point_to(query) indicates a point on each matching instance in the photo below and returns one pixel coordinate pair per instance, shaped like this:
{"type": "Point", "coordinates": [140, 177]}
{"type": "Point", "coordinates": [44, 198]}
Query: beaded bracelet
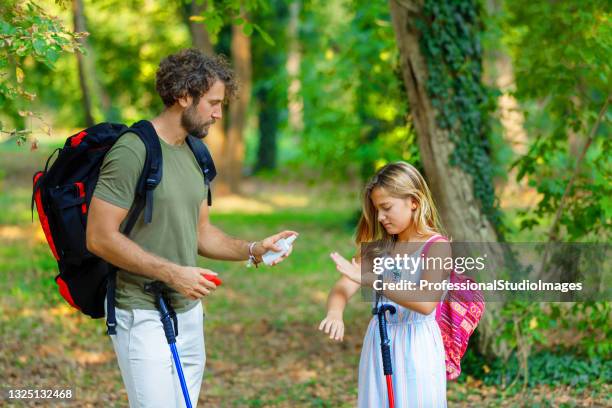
{"type": "Point", "coordinates": [252, 261]}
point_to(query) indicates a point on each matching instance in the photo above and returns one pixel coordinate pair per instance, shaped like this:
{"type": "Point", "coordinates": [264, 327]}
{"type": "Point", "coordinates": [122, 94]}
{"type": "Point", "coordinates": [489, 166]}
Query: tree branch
{"type": "Point", "coordinates": [553, 229]}
{"type": "Point", "coordinates": [413, 6]}
{"type": "Point", "coordinates": [552, 233]}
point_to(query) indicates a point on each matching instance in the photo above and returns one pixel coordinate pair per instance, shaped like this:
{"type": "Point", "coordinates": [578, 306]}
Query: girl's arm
{"type": "Point", "coordinates": [343, 290]}
{"type": "Point", "coordinates": [338, 297]}
{"type": "Point", "coordinates": [424, 301]}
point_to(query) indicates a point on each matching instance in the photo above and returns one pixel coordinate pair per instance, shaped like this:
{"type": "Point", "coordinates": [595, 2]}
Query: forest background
{"type": "Point", "coordinates": [503, 105]}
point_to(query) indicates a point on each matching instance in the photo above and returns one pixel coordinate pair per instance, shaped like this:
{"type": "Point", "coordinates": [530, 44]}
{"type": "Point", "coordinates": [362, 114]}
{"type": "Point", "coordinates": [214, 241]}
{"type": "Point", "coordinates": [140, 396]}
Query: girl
{"type": "Point", "coordinates": [397, 210]}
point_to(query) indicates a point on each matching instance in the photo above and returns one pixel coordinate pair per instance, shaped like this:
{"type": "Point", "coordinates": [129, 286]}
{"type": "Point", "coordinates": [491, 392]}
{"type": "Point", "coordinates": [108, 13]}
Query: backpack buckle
{"type": "Point", "coordinates": [151, 183]}
{"type": "Point", "coordinates": [110, 328]}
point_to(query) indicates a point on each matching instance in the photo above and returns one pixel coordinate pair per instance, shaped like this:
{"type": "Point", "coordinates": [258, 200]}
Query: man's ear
{"type": "Point", "coordinates": [185, 101]}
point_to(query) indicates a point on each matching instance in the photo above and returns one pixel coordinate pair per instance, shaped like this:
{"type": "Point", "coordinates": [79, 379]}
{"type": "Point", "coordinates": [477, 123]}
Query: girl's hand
{"type": "Point", "coordinates": [351, 270]}
{"type": "Point", "coordinates": [334, 326]}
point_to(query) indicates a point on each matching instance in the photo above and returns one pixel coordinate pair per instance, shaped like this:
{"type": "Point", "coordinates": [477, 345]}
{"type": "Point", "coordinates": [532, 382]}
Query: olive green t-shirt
{"type": "Point", "coordinates": [173, 231]}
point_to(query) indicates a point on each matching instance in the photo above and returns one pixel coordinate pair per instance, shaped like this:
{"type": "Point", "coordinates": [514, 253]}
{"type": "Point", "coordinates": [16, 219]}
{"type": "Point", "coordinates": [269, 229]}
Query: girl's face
{"type": "Point", "coordinates": [395, 214]}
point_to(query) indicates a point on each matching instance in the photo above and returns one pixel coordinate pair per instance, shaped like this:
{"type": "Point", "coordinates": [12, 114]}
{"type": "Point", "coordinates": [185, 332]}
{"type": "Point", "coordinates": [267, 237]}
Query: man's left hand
{"type": "Point", "coordinates": [269, 244]}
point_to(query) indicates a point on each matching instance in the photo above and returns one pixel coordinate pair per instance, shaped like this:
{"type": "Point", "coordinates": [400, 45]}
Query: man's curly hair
{"type": "Point", "coordinates": [191, 72]}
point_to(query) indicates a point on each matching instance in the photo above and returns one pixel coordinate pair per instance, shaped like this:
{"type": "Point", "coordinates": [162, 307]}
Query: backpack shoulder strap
{"type": "Point", "coordinates": [149, 179]}
{"type": "Point", "coordinates": [204, 159]}
{"type": "Point", "coordinates": [151, 173]}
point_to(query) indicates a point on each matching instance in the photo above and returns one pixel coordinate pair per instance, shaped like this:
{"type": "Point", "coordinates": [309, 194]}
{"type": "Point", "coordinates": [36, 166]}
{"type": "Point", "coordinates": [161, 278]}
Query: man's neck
{"type": "Point", "coordinates": [168, 126]}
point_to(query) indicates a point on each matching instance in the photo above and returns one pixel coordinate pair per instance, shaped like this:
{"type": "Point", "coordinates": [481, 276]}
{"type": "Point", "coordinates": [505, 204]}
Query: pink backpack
{"type": "Point", "coordinates": [457, 315]}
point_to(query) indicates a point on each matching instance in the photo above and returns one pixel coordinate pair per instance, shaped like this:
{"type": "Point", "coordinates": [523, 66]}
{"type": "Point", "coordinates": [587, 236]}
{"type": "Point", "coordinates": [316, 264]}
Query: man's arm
{"type": "Point", "coordinates": [105, 240]}
{"type": "Point", "coordinates": [215, 244]}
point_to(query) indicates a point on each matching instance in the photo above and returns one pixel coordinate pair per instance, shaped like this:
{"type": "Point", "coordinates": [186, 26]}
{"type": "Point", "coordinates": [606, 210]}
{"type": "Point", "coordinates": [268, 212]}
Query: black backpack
{"type": "Point", "coordinates": [62, 194]}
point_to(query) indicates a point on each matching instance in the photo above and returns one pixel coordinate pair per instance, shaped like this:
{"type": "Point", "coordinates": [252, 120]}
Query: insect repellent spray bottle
{"type": "Point", "coordinates": [284, 244]}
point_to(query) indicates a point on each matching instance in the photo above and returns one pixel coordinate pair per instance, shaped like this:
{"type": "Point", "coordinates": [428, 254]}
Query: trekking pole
{"type": "Point", "coordinates": [166, 318]}
{"type": "Point", "coordinates": [385, 348]}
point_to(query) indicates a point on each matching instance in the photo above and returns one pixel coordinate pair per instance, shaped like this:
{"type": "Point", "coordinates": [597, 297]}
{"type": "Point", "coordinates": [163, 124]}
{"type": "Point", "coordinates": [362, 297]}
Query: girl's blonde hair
{"type": "Point", "coordinates": [400, 180]}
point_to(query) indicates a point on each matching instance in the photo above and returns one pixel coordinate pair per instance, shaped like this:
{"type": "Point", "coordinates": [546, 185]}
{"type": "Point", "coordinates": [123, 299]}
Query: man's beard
{"type": "Point", "coordinates": [194, 127]}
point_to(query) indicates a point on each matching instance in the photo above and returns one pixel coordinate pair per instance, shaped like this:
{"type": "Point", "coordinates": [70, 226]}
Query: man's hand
{"type": "Point", "coordinates": [269, 244]}
{"type": "Point", "coordinates": [190, 282]}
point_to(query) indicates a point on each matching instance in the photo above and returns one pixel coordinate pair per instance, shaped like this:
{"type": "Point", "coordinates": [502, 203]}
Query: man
{"type": "Point", "coordinates": [193, 87]}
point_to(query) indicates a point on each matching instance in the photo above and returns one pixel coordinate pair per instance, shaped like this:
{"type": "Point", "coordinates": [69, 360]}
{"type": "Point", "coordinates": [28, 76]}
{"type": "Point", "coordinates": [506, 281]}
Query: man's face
{"type": "Point", "coordinates": [198, 118]}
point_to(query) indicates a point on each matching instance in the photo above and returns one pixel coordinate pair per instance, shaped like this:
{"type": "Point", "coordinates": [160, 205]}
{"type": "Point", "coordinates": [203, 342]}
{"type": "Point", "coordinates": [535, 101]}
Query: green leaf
{"type": "Point", "coordinates": [247, 29]}
{"type": "Point", "coordinates": [606, 204]}
{"type": "Point", "coordinates": [265, 36]}
{"type": "Point", "coordinates": [52, 56]}
{"type": "Point", "coordinates": [40, 46]}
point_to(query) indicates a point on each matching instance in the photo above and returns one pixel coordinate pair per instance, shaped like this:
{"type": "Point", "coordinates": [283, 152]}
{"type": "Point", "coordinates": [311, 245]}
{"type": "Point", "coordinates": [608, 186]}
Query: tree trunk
{"type": "Point", "coordinates": [451, 187]}
{"type": "Point", "coordinates": [270, 81]}
{"type": "Point", "coordinates": [296, 105]}
{"type": "Point", "coordinates": [79, 26]}
{"type": "Point", "coordinates": [216, 135]}
{"type": "Point", "coordinates": [499, 72]}
{"type": "Point", "coordinates": [233, 151]}
{"type": "Point", "coordinates": [199, 35]}
{"type": "Point", "coordinates": [94, 94]}
{"type": "Point", "coordinates": [268, 128]}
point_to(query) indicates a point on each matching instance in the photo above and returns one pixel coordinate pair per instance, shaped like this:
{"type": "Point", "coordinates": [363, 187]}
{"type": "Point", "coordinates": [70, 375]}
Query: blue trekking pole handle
{"type": "Point", "coordinates": [166, 321]}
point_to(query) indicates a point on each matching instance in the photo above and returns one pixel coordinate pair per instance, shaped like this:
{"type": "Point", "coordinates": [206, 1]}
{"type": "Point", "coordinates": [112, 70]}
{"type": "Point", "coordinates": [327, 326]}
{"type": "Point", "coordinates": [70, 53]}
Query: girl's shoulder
{"type": "Point", "coordinates": [437, 245]}
{"type": "Point", "coordinates": [435, 237]}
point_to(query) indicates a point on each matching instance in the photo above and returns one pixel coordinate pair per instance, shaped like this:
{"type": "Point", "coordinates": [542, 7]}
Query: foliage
{"type": "Point", "coordinates": [552, 367]}
{"type": "Point", "coordinates": [532, 329]}
{"type": "Point", "coordinates": [133, 53]}
{"type": "Point", "coordinates": [451, 43]}
{"type": "Point", "coordinates": [220, 13]}
{"type": "Point", "coordinates": [562, 82]}
{"type": "Point", "coordinates": [124, 53]}
{"type": "Point", "coordinates": [27, 35]}
{"type": "Point", "coordinates": [270, 82]}
{"type": "Point", "coordinates": [563, 79]}
{"type": "Point", "coordinates": [592, 320]}
{"type": "Point", "coordinates": [528, 326]}
{"type": "Point", "coordinates": [355, 109]}
{"type": "Point", "coordinates": [131, 37]}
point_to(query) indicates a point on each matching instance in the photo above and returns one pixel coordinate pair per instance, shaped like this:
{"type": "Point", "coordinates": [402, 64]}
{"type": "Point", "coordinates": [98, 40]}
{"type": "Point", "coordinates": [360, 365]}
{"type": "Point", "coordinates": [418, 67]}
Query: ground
{"type": "Point", "coordinates": [263, 347]}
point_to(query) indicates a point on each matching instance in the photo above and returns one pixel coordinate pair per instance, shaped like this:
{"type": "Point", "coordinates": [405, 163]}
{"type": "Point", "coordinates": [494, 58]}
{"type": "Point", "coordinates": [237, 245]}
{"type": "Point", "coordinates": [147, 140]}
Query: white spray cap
{"type": "Point", "coordinates": [289, 240]}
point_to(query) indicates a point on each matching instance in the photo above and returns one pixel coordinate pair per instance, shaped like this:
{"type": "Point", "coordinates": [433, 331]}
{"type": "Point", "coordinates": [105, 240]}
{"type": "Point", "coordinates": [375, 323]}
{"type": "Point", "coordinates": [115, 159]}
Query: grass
{"type": "Point", "coordinates": [263, 347]}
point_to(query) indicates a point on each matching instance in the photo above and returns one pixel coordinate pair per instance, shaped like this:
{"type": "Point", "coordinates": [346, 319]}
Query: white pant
{"type": "Point", "coordinates": [145, 359]}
